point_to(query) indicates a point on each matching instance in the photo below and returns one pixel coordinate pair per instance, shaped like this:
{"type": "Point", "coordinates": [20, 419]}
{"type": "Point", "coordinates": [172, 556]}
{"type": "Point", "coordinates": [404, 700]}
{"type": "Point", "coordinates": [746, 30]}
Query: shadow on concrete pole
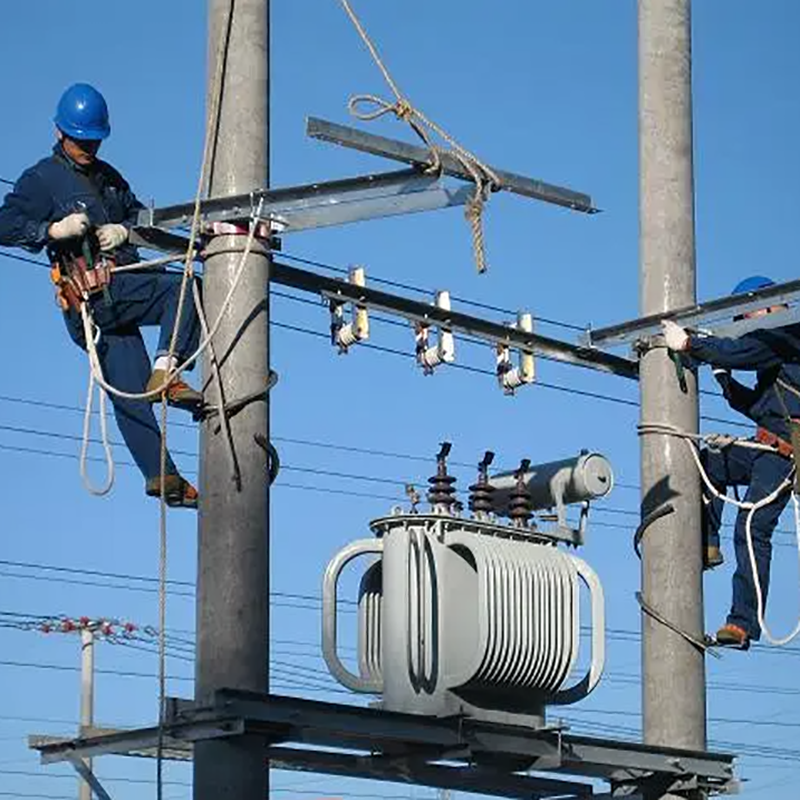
{"type": "Point", "coordinates": [233, 565]}
{"type": "Point", "coordinates": [673, 670]}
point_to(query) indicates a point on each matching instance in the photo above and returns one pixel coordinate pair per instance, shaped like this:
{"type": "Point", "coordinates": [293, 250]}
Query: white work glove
{"type": "Point", "coordinates": [111, 236]}
{"type": "Point", "coordinates": [72, 226]}
{"type": "Point", "coordinates": [674, 335]}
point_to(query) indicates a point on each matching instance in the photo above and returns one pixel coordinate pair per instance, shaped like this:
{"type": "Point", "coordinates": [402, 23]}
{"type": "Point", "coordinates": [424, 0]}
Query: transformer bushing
{"type": "Point", "coordinates": [478, 616]}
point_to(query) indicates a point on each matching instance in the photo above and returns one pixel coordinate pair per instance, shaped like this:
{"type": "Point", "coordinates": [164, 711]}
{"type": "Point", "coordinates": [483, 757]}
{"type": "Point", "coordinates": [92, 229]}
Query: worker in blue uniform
{"type": "Point", "coordinates": [58, 204]}
{"type": "Point", "coordinates": [774, 400]}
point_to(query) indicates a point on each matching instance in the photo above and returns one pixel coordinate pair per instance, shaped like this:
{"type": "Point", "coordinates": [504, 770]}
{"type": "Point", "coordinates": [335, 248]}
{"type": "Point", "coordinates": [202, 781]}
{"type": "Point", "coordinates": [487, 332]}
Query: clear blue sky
{"type": "Point", "coordinates": [543, 88]}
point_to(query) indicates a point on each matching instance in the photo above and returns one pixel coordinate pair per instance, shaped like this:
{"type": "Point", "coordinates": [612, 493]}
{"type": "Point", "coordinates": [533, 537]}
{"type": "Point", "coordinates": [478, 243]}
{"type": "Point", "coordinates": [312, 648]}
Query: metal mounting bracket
{"type": "Point", "coordinates": [714, 316]}
{"type": "Point", "coordinates": [319, 205]}
{"type": "Point", "coordinates": [420, 157]}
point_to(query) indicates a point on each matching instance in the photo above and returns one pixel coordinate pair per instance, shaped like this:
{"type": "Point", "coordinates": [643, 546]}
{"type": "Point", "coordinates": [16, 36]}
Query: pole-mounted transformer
{"type": "Point", "coordinates": [476, 615]}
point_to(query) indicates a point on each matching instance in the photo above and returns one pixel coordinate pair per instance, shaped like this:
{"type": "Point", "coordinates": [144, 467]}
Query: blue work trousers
{"type": "Point", "coordinates": [137, 300]}
{"type": "Point", "coordinates": [761, 472]}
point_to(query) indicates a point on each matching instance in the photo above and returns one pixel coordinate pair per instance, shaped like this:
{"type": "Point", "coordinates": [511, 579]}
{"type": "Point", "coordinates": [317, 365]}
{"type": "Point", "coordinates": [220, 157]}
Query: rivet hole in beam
{"type": "Point", "coordinates": [419, 156]}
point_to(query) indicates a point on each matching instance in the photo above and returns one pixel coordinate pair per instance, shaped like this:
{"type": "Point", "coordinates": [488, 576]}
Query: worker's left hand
{"type": "Point", "coordinates": [674, 335]}
{"type": "Point", "coordinates": [111, 236]}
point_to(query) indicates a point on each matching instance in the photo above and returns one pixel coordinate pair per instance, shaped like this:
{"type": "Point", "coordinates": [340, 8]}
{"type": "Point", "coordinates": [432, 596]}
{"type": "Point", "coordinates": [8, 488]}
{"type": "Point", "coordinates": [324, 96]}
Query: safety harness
{"type": "Point", "coordinates": [79, 270]}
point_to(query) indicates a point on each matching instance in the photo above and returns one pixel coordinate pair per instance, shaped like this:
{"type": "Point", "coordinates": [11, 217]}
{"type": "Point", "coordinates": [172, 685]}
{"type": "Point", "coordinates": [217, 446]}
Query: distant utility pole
{"type": "Point", "coordinates": [87, 699]}
{"type": "Point", "coordinates": [673, 670]}
{"type": "Point", "coordinates": [233, 566]}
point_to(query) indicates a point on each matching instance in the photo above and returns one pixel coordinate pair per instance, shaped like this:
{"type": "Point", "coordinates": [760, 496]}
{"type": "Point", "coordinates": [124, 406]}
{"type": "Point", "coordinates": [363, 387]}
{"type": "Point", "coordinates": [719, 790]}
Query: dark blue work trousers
{"type": "Point", "coordinates": [761, 472]}
{"type": "Point", "coordinates": [137, 300]}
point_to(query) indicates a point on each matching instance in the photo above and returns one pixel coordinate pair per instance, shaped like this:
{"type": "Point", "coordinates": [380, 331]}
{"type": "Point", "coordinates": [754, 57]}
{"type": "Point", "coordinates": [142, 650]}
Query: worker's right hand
{"type": "Point", "coordinates": [675, 336]}
{"type": "Point", "coordinates": [72, 226]}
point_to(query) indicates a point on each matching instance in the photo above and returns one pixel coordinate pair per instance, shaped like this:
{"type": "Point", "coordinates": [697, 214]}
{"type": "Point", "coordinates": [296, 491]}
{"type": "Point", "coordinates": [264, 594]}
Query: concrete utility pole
{"type": "Point", "coordinates": [673, 670]}
{"type": "Point", "coordinates": [233, 567]}
{"type": "Point", "coordinates": [87, 700]}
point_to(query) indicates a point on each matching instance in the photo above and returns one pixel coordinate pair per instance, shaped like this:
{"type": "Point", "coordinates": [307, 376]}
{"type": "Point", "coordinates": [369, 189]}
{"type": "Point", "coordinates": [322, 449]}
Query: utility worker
{"type": "Point", "coordinates": [774, 355]}
{"type": "Point", "coordinates": [72, 198]}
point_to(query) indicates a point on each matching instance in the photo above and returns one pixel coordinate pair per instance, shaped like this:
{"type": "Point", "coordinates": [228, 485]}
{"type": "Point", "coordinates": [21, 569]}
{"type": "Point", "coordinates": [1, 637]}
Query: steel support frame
{"type": "Point", "coordinates": [457, 753]}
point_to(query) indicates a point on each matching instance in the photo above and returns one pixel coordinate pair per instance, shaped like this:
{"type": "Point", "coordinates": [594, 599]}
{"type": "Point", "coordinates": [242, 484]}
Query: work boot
{"type": "Point", "coordinates": [179, 393]}
{"type": "Point", "coordinates": [733, 636]}
{"type": "Point", "coordinates": [178, 492]}
{"type": "Point", "coordinates": [712, 557]}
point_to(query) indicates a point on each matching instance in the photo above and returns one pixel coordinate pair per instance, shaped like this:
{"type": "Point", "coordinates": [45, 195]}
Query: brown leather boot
{"type": "Point", "coordinates": [733, 636]}
{"type": "Point", "coordinates": [179, 393]}
{"type": "Point", "coordinates": [712, 557]}
{"type": "Point", "coordinates": [178, 492]}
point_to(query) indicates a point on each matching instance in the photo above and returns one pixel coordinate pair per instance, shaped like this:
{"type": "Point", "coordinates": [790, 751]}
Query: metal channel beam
{"type": "Point", "coordinates": [397, 736]}
{"type": "Point", "coordinates": [420, 156]}
{"type": "Point", "coordinates": [318, 205]}
{"type": "Point", "coordinates": [320, 723]}
{"type": "Point", "coordinates": [703, 315]}
{"type": "Point", "coordinates": [410, 770]}
{"type": "Point", "coordinates": [140, 742]}
{"type": "Point", "coordinates": [491, 332]}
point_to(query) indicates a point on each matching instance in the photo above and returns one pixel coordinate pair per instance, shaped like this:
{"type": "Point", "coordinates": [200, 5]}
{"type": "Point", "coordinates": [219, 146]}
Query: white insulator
{"type": "Point", "coordinates": [444, 351]}
{"type": "Point", "coordinates": [350, 333]}
{"type": "Point", "coordinates": [347, 336]}
{"type": "Point", "coordinates": [527, 369]}
{"type": "Point", "coordinates": [511, 378]}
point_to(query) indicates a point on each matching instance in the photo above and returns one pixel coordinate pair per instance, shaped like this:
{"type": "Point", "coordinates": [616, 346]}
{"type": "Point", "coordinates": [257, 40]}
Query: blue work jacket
{"type": "Point", "coordinates": [774, 355]}
{"type": "Point", "coordinates": [57, 187]}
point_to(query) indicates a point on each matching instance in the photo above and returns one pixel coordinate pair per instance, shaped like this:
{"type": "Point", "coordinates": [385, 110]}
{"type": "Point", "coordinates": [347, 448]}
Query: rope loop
{"type": "Point", "coordinates": [485, 178]}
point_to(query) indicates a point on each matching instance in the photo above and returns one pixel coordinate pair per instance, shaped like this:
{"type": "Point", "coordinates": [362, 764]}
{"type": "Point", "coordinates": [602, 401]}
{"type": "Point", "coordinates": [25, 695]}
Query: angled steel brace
{"type": "Point", "coordinates": [89, 777]}
{"type": "Point", "coordinates": [420, 157]}
{"type": "Point", "coordinates": [714, 315]}
{"type": "Point", "coordinates": [319, 205]}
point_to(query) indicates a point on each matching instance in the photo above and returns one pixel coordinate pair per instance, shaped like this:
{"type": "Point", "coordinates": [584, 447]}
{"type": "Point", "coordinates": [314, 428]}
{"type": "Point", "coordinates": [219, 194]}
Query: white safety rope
{"type": "Point", "coordinates": [691, 439]}
{"type": "Point", "coordinates": [87, 424]}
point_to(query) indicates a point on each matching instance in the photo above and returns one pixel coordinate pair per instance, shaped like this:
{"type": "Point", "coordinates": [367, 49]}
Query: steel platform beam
{"type": "Point", "coordinates": [392, 746]}
{"type": "Point", "coordinates": [319, 205]}
{"type": "Point", "coordinates": [714, 315]}
{"type": "Point", "coordinates": [420, 157]}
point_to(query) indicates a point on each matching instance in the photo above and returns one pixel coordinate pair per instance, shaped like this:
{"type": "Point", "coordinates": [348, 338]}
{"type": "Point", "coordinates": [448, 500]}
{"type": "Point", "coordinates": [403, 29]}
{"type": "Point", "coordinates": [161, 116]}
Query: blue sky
{"type": "Point", "coordinates": [545, 89]}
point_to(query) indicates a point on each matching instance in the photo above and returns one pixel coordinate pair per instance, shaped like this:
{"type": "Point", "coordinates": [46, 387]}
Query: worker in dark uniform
{"type": "Point", "coordinates": [774, 355]}
{"type": "Point", "coordinates": [73, 197]}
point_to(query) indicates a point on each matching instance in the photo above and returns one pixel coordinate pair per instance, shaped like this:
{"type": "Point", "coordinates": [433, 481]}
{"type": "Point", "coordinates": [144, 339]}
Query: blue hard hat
{"type": "Point", "coordinates": [82, 113]}
{"type": "Point", "coordinates": [752, 284]}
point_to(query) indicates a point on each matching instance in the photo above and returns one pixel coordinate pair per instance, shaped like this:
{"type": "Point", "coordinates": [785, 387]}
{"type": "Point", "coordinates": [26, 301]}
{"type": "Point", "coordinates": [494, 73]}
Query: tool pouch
{"type": "Point", "coordinates": [795, 431]}
{"type": "Point", "coordinates": [80, 273]}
